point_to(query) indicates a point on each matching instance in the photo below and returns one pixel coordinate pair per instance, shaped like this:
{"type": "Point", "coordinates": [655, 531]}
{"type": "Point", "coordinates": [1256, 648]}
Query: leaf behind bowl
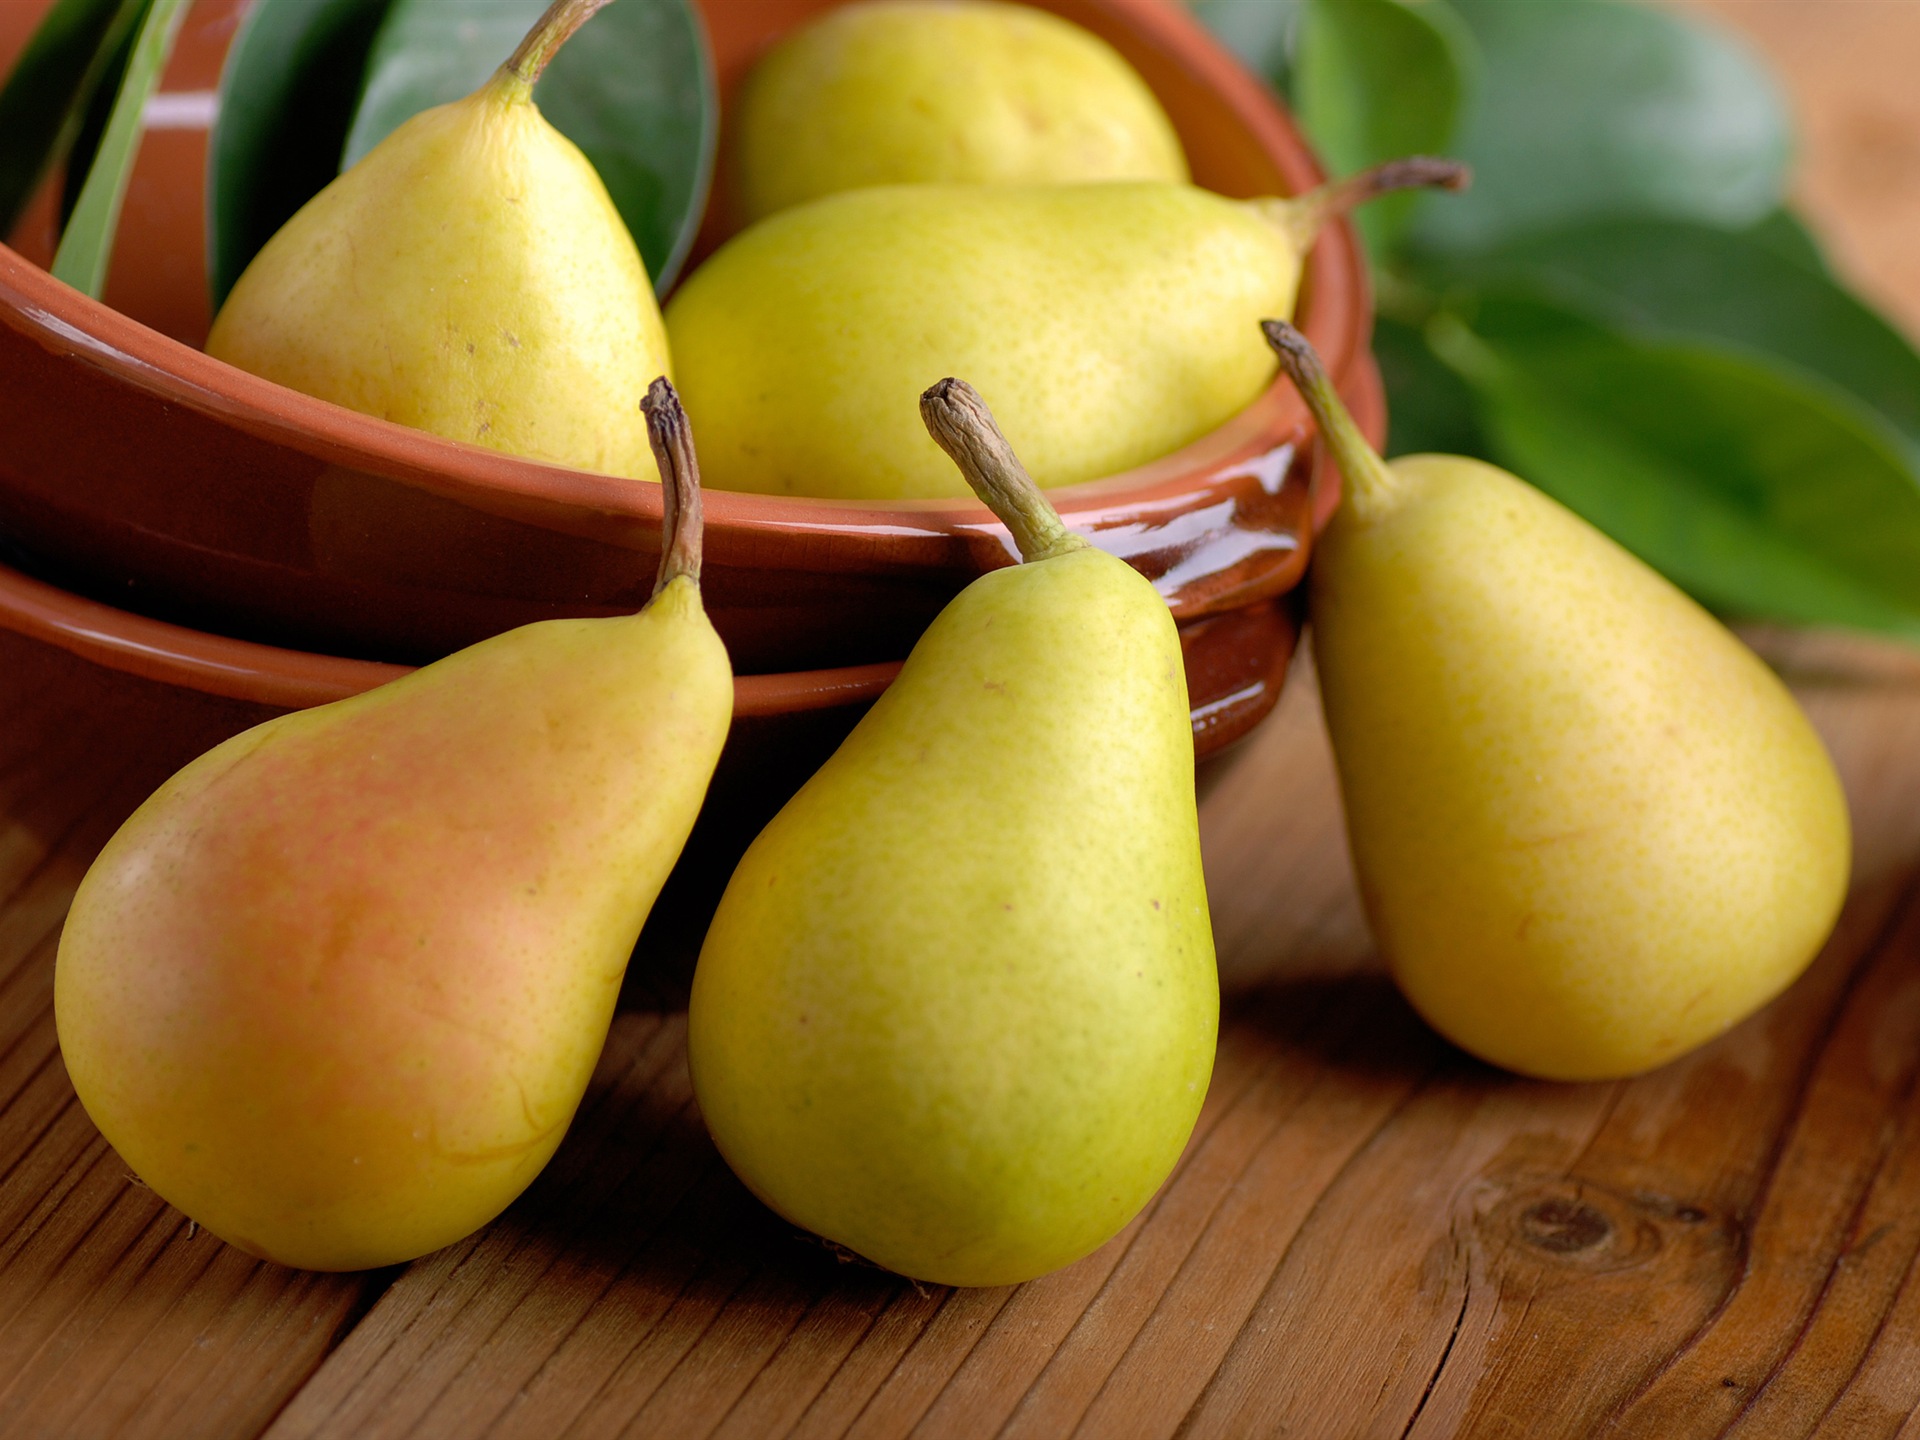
{"type": "Point", "coordinates": [634, 90]}
{"type": "Point", "coordinates": [51, 86]}
{"type": "Point", "coordinates": [1766, 491]}
{"type": "Point", "coordinates": [1671, 279]}
{"type": "Point", "coordinates": [286, 99]}
{"type": "Point", "coordinates": [1376, 79]}
{"type": "Point", "coordinates": [86, 245]}
{"type": "Point", "coordinates": [1589, 109]}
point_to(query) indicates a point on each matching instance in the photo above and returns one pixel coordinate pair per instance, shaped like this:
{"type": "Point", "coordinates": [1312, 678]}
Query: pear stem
{"type": "Point", "coordinates": [681, 528]}
{"type": "Point", "coordinates": [552, 30]}
{"type": "Point", "coordinates": [1371, 489]}
{"type": "Point", "coordinates": [1304, 216]}
{"type": "Point", "coordinates": [961, 424]}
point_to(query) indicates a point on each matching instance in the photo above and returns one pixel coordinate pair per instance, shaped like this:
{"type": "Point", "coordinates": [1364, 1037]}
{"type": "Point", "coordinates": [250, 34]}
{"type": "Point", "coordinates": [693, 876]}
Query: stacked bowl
{"type": "Point", "coordinates": [169, 515]}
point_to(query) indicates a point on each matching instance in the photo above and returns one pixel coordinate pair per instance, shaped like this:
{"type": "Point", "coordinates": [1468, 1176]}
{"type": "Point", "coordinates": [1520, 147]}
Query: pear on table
{"type": "Point", "coordinates": [1107, 324]}
{"type": "Point", "coordinates": [337, 988]}
{"type": "Point", "coordinates": [469, 277]}
{"type": "Point", "coordinates": [1591, 829]}
{"type": "Point", "coordinates": [956, 91]}
{"type": "Point", "coordinates": [957, 1009]}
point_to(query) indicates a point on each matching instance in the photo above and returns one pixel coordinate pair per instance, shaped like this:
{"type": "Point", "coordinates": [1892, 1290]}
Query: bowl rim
{"type": "Point", "coordinates": [216, 664]}
{"type": "Point", "coordinates": [1336, 314]}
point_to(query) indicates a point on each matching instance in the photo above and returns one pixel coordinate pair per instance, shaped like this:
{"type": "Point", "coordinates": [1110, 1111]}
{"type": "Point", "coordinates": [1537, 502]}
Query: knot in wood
{"type": "Point", "coordinates": [1563, 1225]}
{"type": "Point", "coordinates": [1570, 1225]}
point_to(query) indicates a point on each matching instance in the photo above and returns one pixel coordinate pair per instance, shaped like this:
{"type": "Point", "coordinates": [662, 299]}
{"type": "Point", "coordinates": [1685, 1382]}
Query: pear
{"type": "Point", "coordinates": [963, 91]}
{"type": "Point", "coordinates": [336, 989]}
{"type": "Point", "coordinates": [957, 1009]}
{"type": "Point", "coordinates": [1106, 324]}
{"type": "Point", "coordinates": [1591, 829]}
{"type": "Point", "coordinates": [469, 277]}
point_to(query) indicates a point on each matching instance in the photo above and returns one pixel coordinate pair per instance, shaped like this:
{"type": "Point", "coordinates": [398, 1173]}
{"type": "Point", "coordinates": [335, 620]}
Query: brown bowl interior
{"type": "Point", "coordinates": [138, 470]}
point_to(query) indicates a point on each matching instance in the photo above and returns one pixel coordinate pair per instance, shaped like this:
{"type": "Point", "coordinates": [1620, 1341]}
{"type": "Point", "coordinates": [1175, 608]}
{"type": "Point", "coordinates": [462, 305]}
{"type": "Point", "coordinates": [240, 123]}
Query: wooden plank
{"type": "Point", "coordinates": [1365, 1218]}
{"type": "Point", "coordinates": [1369, 1231]}
{"type": "Point", "coordinates": [1370, 1234]}
{"type": "Point", "coordinates": [115, 1316]}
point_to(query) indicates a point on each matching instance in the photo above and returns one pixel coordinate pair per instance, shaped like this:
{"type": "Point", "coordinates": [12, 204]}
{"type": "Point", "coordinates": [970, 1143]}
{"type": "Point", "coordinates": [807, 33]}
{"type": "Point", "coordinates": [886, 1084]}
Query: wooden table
{"type": "Point", "coordinates": [1370, 1233]}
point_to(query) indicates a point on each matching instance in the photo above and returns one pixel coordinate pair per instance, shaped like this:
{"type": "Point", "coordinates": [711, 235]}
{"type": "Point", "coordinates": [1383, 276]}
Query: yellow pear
{"type": "Point", "coordinates": [963, 91]}
{"type": "Point", "coordinates": [1592, 830]}
{"type": "Point", "coordinates": [469, 277]}
{"type": "Point", "coordinates": [336, 989]}
{"type": "Point", "coordinates": [957, 1009]}
{"type": "Point", "coordinates": [1106, 324]}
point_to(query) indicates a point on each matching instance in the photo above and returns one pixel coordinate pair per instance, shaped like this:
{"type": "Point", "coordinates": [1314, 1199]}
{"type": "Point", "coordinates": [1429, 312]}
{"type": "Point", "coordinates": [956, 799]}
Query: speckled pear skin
{"type": "Point", "coordinates": [337, 988]}
{"type": "Point", "coordinates": [469, 277]}
{"type": "Point", "coordinates": [1106, 325]}
{"type": "Point", "coordinates": [1592, 830]}
{"type": "Point", "coordinates": [912, 91]}
{"type": "Point", "coordinates": [957, 1010]}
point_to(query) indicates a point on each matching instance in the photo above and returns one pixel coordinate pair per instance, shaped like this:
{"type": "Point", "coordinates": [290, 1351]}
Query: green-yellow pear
{"type": "Point", "coordinates": [1591, 830]}
{"type": "Point", "coordinates": [957, 1009]}
{"type": "Point", "coordinates": [962, 91]}
{"type": "Point", "coordinates": [470, 277]}
{"type": "Point", "coordinates": [1106, 324]}
{"type": "Point", "coordinates": [336, 989]}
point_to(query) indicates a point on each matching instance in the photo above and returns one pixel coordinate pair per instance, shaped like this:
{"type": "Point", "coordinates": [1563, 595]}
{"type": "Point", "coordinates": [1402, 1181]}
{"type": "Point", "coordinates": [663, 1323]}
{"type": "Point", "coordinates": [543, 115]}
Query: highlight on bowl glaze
{"type": "Point", "coordinates": [784, 726]}
{"type": "Point", "coordinates": [134, 468]}
{"type": "Point", "coordinates": [1236, 663]}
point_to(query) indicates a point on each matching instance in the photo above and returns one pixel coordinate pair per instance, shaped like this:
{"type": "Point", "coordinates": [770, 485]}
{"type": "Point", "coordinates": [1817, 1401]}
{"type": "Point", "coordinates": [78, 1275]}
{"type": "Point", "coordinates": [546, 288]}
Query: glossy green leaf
{"type": "Point", "coordinates": [1767, 493]}
{"type": "Point", "coordinates": [1260, 32]}
{"type": "Point", "coordinates": [48, 92]}
{"type": "Point", "coordinates": [634, 90]}
{"type": "Point", "coordinates": [286, 98]}
{"type": "Point", "coordinates": [1590, 109]}
{"type": "Point", "coordinates": [1430, 409]}
{"type": "Point", "coordinates": [91, 119]}
{"type": "Point", "coordinates": [1672, 279]}
{"type": "Point", "coordinates": [1787, 235]}
{"type": "Point", "coordinates": [1376, 79]}
{"type": "Point", "coordinates": [86, 245]}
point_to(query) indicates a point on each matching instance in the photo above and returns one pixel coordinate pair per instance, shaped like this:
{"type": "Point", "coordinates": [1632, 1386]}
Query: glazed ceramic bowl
{"type": "Point", "coordinates": [136, 469]}
{"type": "Point", "coordinates": [784, 726]}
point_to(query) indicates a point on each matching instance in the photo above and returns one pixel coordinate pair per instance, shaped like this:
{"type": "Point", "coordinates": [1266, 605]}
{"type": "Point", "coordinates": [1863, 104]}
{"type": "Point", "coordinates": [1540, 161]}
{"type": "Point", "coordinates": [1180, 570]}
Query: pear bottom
{"type": "Point", "coordinates": [1592, 831]}
{"type": "Point", "coordinates": [336, 990]}
{"type": "Point", "coordinates": [957, 1009]}
{"type": "Point", "coordinates": [921, 1183]}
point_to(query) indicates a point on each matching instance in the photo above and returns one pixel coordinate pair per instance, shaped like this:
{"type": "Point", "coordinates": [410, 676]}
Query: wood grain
{"type": "Point", "coordinates": [1370, 1234]}
{"type": "Point", "coordinates": [116, 1317]}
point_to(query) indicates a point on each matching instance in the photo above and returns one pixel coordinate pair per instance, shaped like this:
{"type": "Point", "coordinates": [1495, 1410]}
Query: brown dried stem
{"type": "Point", "coordinates": [961, 424]}
{"type": "Point", "coordinates": [549, 33]}
{"type": "Point", "coordinates": [1370, 487]}
{"type": "Point", "coordinates": [1305, 215]}
{"type": "Point", "coordinates": [681, 527]}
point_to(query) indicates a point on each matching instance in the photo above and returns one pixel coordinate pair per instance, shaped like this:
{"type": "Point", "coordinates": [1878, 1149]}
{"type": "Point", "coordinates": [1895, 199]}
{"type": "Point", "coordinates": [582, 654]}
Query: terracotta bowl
{"type": "Point", "coordinates": [784, 726]}
{"type": "Point", "coordinates": [136, 469]}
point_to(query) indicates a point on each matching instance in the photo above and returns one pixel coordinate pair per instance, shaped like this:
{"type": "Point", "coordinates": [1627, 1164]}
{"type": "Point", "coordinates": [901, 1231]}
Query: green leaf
{"type": "Point", "coordinates": [49, 91]}
{"type": "Point", "coordinates": [1377, 79]}
{"type": "Point", "coordinates": [1430, 408]}
{"type": "Point", "coordinates": [86, 246]}
{"type": "Point", "coordinates": [1787, 235]}
{"type": "Point", "coordinates": [286, 98]}
{"type": "Point", "coordinates": [1592, 109]}
{"type": "Point", "coordinates": [1260, 32]}
{"type": "Point", "coordinates": [634, 90]}
{"type": "Point", "coordinates": [1670, 279]}
{"type": "Point", "coordinates": [1767, 494]}
{"type": "Point", "coordinates": [91, 119]}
